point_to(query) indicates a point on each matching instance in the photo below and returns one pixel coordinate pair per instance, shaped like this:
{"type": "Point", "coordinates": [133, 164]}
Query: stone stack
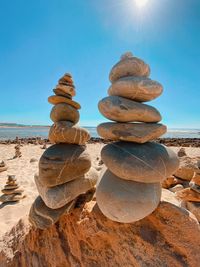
{"type": "Point", "coordinates": [64, 168]}
{"type": "Point", "coordinates": [11, 191]}
{"type": "Point", "coordinates": [3, 166]}
{"type": "Point", "coordinates": [130, 186]}
{"type": "Point", "coordinates": [18, 153]}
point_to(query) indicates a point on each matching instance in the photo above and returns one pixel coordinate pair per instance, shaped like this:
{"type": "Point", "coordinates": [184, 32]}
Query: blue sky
{"type": "Point", "coordinates": [40, 40]}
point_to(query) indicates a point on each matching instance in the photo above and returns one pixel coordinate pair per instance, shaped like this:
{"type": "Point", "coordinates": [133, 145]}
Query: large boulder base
{"type": "Point", "coordinates": [168, 237]}
{"type": "Point", "coordinates": [126, 201]}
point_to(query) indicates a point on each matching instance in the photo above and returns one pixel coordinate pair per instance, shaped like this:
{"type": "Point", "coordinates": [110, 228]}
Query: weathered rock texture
{"type": "Point", "coordinates": [168, 237]}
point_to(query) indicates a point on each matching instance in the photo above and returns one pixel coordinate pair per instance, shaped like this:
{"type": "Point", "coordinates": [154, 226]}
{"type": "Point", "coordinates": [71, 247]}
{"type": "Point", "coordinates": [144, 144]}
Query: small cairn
{"type": "Point", "coordinates": [18, 153]}
{"type": "Point", "coordinates": [3, 166]}
{"type": "Point", "coordinates": [130, 186]}
{"type": "Point", "coordinates": [11, 191]}
{"type": "Point", "coordinates": [65, 170]}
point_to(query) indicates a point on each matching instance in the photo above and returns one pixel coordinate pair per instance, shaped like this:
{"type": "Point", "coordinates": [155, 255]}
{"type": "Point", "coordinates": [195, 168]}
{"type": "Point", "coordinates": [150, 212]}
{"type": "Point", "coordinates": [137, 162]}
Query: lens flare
{"type": "Point", "coordinates": [141, 3]}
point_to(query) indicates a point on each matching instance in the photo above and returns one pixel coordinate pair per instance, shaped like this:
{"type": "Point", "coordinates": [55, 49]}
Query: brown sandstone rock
{"type": "Point", "coordinates": [65, 132]}
{"type": "Point", "coordinates": [64, 112]}
{"type": "Point", "coordinates": [129, 66]}
{"type": "Point", "coordinates": [146, 163]}
{"type": "Point", "coordinates": [61, 93]}
{"type": "Point", "coordinates": [194, 207]}
{"type": "Point", "coordinates": [168, 237]}
{"type": "Point", "coordinates": [55, 99]}
{"type": "Point", "coordinates": [171, 181]}
{"type": "Point", "coordinates": [136, 88]}
{"type": "Point", "coordinates": [61, 163]}
{"type": "Point", "coordinates": [68, 89]}
{"type": "Point", "coordinates": [188, 194]}
{"type": "Point", "coordinates": [132, 132]}
{"type": "Point", "coordinates": [121, 109]}
{"type": "Point", "coordinates": [187, 168]}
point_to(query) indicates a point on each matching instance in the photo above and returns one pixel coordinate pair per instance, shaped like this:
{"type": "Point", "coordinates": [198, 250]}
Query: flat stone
{"type": "Point", "coordinates": [176, 188]}
{"type": "Point", "coordinates": [66, 78]}
{"type": "Point", "coordinates": [12, 191]}
{"type": "Point", "coordinates": [146, 163]}
{"type": "Point", "coordinates": [132, 132]}
{"type": "Point", "coordinates": [194, 207]}
{"type": "Point", "coordinates": [58, 196]}
{"type": "Point", "coordinates": [187, 168]}
{"type": "Point", "coordinates": [62, 163]}
{"type": "Point", "coordinates": [61, 93]}
{"type": "Point", "coordinates": [126, 201]}
{"type": "Point", "coordinates": [129, 66]}
{"type": "Point", "coordinates": [64, 112]}
{"type": "Point", "coordinates": [11, 186]}
{"type": "Point", "coordinates": [55, 99]}
{"type": "Point", "coordinates": [140, 89]}
{"type": "Point", "coordinates": [188, 194]}
{"type": "Point", "coordinates": [11, 198]}
{"type": "Point", "coordinates": [65, 132]}
{"type": "Point", "coordinates": [43, 217]}
{"type": "Point", "coordinates": [68, 89]}
{"type": "Point", "coordinates": [169, 197]}
{"type": "Point", "coordinates": [195, 187]}
{"type": "Point", "coordinates": [121, 109]}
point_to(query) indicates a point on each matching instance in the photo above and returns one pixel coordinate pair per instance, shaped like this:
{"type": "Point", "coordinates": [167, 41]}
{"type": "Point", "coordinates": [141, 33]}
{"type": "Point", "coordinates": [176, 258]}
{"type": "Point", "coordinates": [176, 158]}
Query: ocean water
{"type": "Point", "coordinates": [11, 133]}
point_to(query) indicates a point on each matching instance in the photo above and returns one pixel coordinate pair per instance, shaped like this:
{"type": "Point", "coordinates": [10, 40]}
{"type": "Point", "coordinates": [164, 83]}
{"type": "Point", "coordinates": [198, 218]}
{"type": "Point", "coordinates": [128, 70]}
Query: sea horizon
{"type": "Point", "coordinates": [29, 131]}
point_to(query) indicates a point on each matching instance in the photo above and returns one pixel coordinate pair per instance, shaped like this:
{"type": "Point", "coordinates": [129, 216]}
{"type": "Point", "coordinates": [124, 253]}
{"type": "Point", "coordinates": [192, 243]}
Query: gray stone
{"type": "Point", "coordinates": [43, 217]}
{"type": "Point", "coordinates": [140, 89]}
{"type": "Point", "coordinates": [126, 201]}
{"type": "Point", "coordinates": [121, 109]}
{"type": "Point", "coordinates": [62, 163]}
{"type": "Point", "coordinates": [129, 66]}
{"type": "Point", "coordinates": [132, 132]}
{"type": "Point", "coordinates": [147, 163]}
{"type": "Point", "coordinates": [176, 188]}
{"type": "Point", "coordinates": [64, 112]}
{"type": "Point", "coordinates": [58, 196]}
{"type": "Point", "coordinates": [65, 132]}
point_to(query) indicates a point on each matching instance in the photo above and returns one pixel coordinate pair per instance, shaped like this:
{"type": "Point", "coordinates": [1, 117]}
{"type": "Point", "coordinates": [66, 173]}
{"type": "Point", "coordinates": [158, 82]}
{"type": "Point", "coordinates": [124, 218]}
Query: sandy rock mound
{"type": "Point", "coordinates": [168, 237]}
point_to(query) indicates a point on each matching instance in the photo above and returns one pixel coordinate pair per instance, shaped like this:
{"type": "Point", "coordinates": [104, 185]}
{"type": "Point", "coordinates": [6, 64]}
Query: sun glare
{"type": "Point", "coordinates": [141, 3]}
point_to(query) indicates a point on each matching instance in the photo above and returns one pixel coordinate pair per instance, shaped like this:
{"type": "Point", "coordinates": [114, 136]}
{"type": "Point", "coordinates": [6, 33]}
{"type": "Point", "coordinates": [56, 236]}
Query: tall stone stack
{"type": "Point", "coordinates": [65, 167]}
{"type": "Point", "coordinates": [130, 186]}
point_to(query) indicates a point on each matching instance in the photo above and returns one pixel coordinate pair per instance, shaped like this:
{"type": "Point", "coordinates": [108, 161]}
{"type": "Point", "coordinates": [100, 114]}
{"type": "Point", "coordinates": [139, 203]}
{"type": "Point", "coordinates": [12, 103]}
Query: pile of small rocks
{"type": "Point", "coordinates": [3, 166]}
{"type": "Point", "coordinates": [18, 153]}
{"type": "Point", "coordinates": [64, 168]}
{"type": "Point", "coordinates": [11, 191]}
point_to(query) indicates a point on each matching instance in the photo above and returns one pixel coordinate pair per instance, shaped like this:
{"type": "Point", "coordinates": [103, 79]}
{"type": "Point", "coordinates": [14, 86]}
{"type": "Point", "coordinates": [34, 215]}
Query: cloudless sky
{"type": "Point", "coordinates": [40, 40]}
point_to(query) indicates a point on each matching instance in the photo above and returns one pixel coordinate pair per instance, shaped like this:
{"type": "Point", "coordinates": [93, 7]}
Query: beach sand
{"type": "Point", "coordinates": [24, 171]}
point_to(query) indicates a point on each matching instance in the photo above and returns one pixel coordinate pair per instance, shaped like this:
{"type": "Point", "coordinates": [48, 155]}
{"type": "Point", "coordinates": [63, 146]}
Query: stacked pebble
{"type": "Point", "coordinates": [18, 153]}
{"type": "Point", "coordinates": [130, 187]}
{"type": "Point", "coordinates": [64, 168]}
{"type": "Point", "coordinates": [11, 191]}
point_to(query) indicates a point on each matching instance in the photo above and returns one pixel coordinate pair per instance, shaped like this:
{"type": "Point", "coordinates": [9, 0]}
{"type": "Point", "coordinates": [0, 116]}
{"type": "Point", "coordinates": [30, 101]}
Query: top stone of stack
{"type": "Point", "coordinates": [129, 66]}
{"type": "Point", "coordinates": [129, 79]}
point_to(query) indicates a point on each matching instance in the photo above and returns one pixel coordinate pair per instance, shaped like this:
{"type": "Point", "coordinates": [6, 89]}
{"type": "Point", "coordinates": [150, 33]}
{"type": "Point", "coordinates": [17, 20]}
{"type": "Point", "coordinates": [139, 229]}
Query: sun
{"type": "Point", "coordinates": [141, 3]}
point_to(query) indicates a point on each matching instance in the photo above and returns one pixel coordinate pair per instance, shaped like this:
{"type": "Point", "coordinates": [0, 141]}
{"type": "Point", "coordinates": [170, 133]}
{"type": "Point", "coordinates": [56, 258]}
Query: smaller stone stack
{"type": "Point", "coordinates": [130, 188]}
{"type": "Point", "coordinates": [65, 170]}
{"type": "Point", "coordinates": [11, 191]}
{"type": "Point", "coordinates": [18, 153]}
{"type": "Point", "coordinates": [3, 166]}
